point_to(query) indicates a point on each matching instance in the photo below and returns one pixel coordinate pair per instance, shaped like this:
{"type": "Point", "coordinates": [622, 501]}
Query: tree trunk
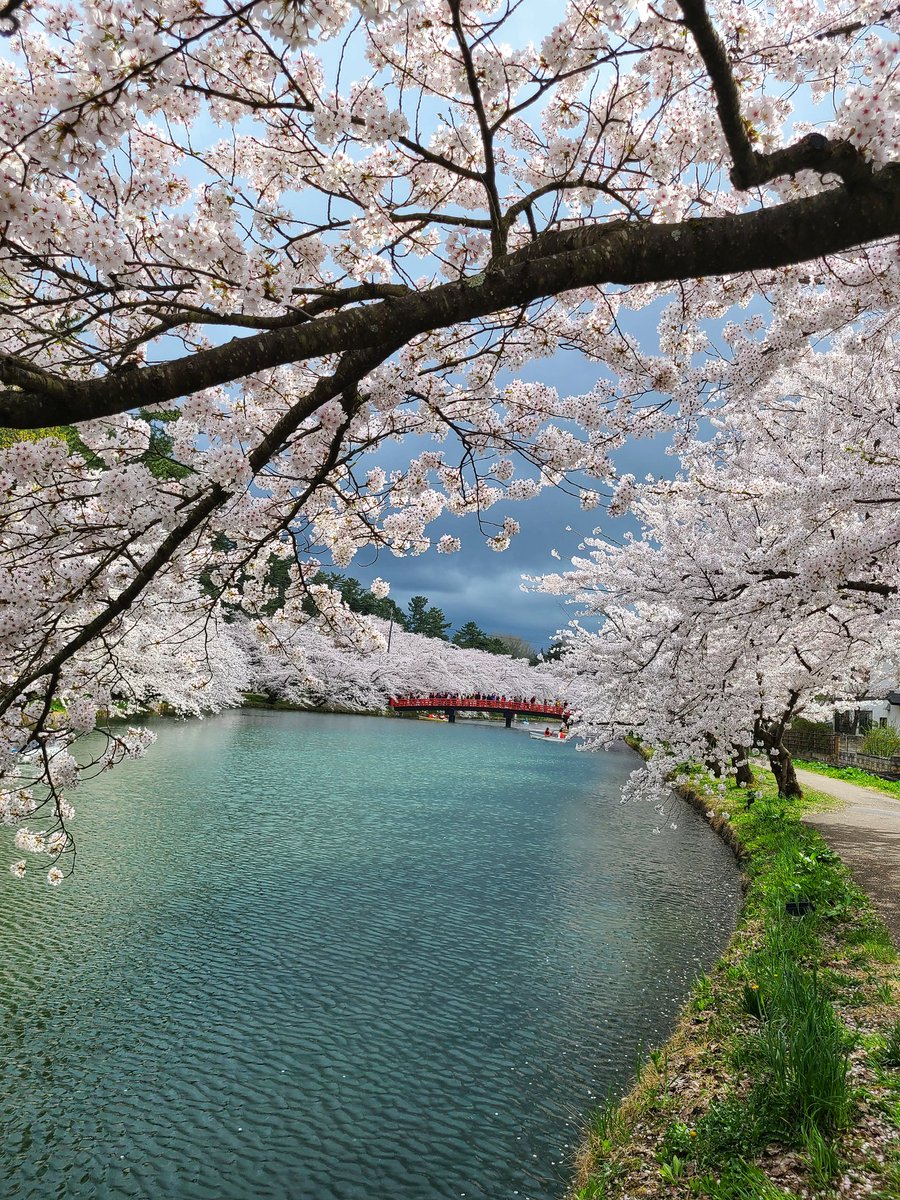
{"type": "Point", "coordinates": [785, 776]}
{"type": "Point", "coordinates": [743, 775]}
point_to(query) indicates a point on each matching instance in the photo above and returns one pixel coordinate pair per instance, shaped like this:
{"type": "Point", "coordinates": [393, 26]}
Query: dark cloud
{"type": "Point", "coordinates": [478, 584]}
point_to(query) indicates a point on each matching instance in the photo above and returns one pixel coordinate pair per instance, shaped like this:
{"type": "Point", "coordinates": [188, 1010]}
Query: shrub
{"type": "Point", "coordinates": [804, 725]}
{"type": "Point", "coordinates": [882, 741]}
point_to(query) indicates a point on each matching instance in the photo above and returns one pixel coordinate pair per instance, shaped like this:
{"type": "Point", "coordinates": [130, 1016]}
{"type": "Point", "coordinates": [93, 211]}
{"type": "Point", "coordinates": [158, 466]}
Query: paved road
{"type": "Point", "coordinates": [865, 832]}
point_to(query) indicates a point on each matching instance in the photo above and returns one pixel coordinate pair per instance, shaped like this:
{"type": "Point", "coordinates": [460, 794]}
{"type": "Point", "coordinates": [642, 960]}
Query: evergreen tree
{"type": "Point", "coordinates": [359, 599]}
{"type": "Point", "coordinates": [428, 621]}
{"type": "Point", "coordinates": [471, 637]}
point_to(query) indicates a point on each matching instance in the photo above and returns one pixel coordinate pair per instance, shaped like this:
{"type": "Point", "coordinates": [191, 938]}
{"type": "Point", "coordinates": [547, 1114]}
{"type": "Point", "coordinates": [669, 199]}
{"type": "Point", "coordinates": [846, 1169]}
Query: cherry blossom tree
{"type": "Point", "coordinates": [215, 242]}
{"type": "Point", "coordinates": [129, 673]}
{"type": "Point", "coordinates": [765, 582]}
{"type": "Point", "coordinates": [360, 663]}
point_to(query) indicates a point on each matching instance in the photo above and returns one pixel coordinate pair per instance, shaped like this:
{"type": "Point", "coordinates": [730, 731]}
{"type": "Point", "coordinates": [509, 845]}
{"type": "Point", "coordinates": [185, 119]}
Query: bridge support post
{"type": "Point", "coordinates": [507, 717]}
{"type": "Point", "coordinates": [451, 715]}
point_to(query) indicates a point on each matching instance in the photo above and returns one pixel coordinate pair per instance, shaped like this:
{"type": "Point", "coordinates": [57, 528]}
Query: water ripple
{"type": "Point", "coordinates": [316, 958]}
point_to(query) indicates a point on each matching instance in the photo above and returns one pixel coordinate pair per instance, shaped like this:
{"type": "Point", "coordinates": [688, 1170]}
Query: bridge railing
{"type": "Point", "coordinates": [480, 703]}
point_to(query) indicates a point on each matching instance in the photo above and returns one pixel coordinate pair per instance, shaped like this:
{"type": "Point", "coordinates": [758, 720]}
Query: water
{"type": "Point", "coordinates": [334, 958]}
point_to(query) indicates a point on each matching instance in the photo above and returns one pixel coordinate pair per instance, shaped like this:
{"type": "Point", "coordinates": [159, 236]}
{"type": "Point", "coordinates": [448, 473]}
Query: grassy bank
{"type": "Point", "coordinates": [783, 1075]}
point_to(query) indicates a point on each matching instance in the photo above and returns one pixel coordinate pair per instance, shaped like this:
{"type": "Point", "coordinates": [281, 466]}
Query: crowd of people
{"type": "Point", "coordinates": [480, 700]}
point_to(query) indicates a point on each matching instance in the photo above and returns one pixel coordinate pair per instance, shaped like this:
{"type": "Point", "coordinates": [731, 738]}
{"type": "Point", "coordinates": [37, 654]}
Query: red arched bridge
{"type": "Point", "coordinates": [509, 706]}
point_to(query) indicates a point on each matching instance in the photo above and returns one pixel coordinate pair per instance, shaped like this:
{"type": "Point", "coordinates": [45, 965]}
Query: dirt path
{"type": "Point", "coordinates": [865, 832]}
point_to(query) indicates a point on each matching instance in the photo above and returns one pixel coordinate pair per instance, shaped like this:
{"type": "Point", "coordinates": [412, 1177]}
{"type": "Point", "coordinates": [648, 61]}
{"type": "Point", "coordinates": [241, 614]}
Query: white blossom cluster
{"type": "Point", "coordinates": [766, 583]}
{"type": "Point", "coordinates": [310, 665]}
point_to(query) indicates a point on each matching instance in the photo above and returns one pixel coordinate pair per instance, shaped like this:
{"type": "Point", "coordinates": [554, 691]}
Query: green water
{"type": "Point", "coordinates": [335, 958]}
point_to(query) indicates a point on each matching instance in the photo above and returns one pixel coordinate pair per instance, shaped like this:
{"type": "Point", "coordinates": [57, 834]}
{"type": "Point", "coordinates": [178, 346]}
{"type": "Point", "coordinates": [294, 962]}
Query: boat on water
{"type": "Point", "coordinates": [556, 738]}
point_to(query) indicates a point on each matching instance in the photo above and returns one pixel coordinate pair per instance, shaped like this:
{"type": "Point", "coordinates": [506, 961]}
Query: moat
{"type": "Point", "coordinates": [335, 958]}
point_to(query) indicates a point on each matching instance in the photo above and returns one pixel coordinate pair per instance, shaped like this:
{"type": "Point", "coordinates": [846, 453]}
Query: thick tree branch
{"type": "Point", "coordinates": [621, 252]}
{"type": "Point", "coordinates": [728, 101]}
{"type": "Point", "coordinates": [876, 589]}
{"type": "Point", "coordinates": [751, 169]}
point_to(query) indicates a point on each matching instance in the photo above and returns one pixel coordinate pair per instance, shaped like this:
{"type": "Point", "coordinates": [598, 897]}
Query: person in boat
{"type": "Point", "coordinates": [547, 731]}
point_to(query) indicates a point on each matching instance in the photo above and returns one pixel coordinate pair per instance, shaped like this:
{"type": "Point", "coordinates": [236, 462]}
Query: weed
{"type": "Point", "coordinates": [672, 1170]}
{"type": "Point", "coordinates": [729, 1129]}
{"type": "Point", "coordinates": [873, 943]}
{"type": "Point", "coordinates": [678, 1140]}
{"type": "Point", "coordinates": [892, 1181]}
{"type": "Point", "coordinates": [703, 997]}
{"type": "Point", "coordinates": [742, 1181]}
{"type": "Point", "coordinates": [751, 1001]}
{"type": "Point", "coordinates": [660, 1060]}
{"type": "Point", "coordinates": [889, 1054]}
{"type": "Point", "coordinates": [605, 1124]}
{"type": "Point", "coordinates": [702, 1185]}
{"type": "Point", "coordinates": [804, 1053]}
{"type": "Point", "coordinates": [598, 1186]}
{"type": "Point", "coordinates": [821, 1156]}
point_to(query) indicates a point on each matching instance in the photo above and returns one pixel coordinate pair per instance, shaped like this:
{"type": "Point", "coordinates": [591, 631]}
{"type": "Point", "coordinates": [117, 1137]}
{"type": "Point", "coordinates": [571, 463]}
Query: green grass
{"type": "Point", "coordinates": [800, 1055]}
{"type": "Point", "coordinates": [740, 1181]}
{"type": "Point", "coordinates": [852, 775]}
{"type": "Point", "coordinates": [605, 1123]}
{"type": "Point", "coordinates": [889, 1053]}
{"type": "Point", "coordinates": [762, 1031]}
{"type": "Point", "coordinates": [702, 996]}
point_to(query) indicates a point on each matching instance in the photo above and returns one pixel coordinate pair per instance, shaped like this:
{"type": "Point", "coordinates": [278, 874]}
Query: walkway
{"type": "Point", "coordinates": [865, 832]}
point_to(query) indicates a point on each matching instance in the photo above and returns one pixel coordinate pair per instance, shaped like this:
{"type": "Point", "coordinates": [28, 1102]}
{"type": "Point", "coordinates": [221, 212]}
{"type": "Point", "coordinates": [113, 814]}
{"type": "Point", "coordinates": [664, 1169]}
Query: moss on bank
{"type": "Point", "coordinates": [783, 1075]}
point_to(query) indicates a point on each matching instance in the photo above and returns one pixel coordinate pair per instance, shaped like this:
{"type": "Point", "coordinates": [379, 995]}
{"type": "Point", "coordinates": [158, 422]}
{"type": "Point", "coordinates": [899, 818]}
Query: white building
{"type": "Point", "coordinates": [867, 712]}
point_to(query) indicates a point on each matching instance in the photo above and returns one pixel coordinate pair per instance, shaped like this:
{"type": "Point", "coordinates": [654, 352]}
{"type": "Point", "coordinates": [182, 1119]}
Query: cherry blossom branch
{"type": "Point", "coordinates": [351, 368]}
{"type": "Point", "coordinates": [108, 95]}
{"type": "Point", "coordinates": [855, 26]}
{"type": "Point", "coordinates": [489, 176]}
{"type": "Point", "coordinates": [751, 169]}
{"type": "Point", "coordinates": [621, 252]}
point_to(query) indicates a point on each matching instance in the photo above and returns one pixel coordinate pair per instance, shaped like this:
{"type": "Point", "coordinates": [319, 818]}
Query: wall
{"type": "Point", "coordinates": [840, 750]}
